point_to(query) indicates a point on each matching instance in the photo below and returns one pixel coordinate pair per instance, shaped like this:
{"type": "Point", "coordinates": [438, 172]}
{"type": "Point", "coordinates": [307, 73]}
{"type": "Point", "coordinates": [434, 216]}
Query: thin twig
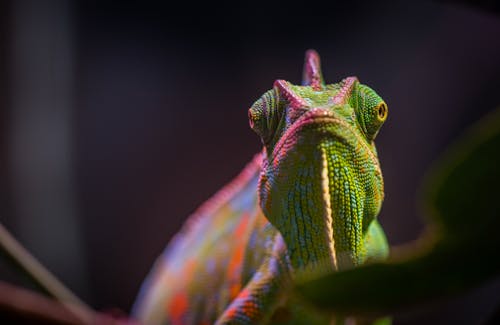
{"type": "Point", "coordinates": [17, 304]}
{"type": "Point", "coordinates": [43, 278]}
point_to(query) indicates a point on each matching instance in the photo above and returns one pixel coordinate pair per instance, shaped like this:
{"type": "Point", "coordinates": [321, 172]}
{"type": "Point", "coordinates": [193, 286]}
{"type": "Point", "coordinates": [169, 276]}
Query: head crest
{"type": "Point", "coordinates": [345, 90]}
{"type": "Point", "coordinates": [312, 75]}
{"type": "Point", "coordinates": [291, 97]}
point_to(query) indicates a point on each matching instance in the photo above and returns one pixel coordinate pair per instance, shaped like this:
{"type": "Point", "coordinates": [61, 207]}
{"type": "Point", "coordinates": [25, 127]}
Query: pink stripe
{"type": "Point", "coordinates": [312, 70]}
{"type": "Point", "coordinates": [285, 90]}
{"type": "Point", "coordinates": [346, 89]}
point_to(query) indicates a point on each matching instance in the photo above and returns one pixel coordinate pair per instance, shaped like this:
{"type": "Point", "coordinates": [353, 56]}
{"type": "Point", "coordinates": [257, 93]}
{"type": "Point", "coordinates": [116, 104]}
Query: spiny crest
{"type": "Point", "coordinates": [290, 96]}
{"type": "Point", "coordinates": [286, 103]}
{"type": "Point", "coordinates": [345, 90]}
{"type": "Point", "coordinates": [312, 77]}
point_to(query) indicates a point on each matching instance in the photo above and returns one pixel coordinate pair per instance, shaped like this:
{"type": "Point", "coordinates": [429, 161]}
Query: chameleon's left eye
{"type": "Point", "coordinates": [252, 118]}
{"type": "Point", "coordinates": [256, 117]}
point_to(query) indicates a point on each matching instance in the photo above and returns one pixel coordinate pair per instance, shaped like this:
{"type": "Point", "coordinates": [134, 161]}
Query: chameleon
{"type": "Point", "coordinates": [306, 204]}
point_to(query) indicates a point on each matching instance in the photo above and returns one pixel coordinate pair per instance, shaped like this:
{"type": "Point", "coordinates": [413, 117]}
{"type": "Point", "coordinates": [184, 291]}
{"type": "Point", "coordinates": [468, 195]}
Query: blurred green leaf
{"type": "Point", "coordinates": [462, 202]}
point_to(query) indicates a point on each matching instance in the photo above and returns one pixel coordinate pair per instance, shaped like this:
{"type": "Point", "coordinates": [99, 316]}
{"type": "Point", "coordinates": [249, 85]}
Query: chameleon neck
{"type": "Point", "coordinates": [308, 249]}
{"type": "Point", "coordinates": [317, 205]}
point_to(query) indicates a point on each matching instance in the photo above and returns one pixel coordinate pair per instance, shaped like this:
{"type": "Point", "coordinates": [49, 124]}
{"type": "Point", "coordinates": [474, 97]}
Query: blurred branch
{"type": "Point", "coordinates": [21, 305]}
{"type": "Point", "coordinates": [42, 277]}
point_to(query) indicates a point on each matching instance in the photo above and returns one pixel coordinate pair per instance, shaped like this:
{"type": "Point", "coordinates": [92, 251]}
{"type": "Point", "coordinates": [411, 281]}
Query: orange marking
{"type": "Point", "coordinates": [234, 269]}
{"type": "Point", "coordinates": [189, 269]}
{"type": "Point", "coordinates": [178, 306]}
{"type": "Point", "coordinates": [242, 227]}
{"type": "Point", "coordinates": [234, 290]}
{"type": "Point", "coordinates": [236, 261]}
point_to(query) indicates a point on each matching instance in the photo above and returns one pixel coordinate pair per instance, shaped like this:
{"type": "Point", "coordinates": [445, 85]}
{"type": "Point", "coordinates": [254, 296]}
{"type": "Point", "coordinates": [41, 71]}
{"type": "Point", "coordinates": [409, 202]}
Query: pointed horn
{"type": "Point", "coordinates": [290, 96]}
{"type": "Point", "coordinates": [312, 75]}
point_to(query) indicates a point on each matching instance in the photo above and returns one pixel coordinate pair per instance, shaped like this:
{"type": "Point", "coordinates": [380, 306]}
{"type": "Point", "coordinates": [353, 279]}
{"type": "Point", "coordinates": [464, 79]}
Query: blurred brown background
{"type": "Point", "coordinates": [118, 119]}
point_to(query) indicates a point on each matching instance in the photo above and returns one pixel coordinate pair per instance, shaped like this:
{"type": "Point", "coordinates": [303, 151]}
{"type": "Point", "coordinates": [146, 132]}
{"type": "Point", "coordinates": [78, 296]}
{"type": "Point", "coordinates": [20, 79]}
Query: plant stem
{"type": "Point", "coordinates": [42, 277]}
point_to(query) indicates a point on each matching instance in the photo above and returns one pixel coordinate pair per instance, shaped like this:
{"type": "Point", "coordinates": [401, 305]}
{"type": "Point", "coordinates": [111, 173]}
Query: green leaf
{"type": "Point", "coordinates": [462, 202]}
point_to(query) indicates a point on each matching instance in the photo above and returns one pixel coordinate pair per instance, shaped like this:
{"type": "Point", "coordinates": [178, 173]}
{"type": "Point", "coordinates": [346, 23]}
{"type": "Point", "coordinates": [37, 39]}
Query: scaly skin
{"type": "Point", "coordinates": [307, 204]}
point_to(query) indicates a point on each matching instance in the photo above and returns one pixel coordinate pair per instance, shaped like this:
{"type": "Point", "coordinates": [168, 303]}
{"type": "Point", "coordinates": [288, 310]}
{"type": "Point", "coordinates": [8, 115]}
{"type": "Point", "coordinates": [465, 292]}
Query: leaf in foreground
{"type": "Point", "coordinates": [462, 202]}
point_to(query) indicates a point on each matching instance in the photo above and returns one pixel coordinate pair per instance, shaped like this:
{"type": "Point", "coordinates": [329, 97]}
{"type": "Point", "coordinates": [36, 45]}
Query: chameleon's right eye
{"type": "Point", "coordinates": [262, 115]}
{"type": "Point", "coordinates": [256, 118]}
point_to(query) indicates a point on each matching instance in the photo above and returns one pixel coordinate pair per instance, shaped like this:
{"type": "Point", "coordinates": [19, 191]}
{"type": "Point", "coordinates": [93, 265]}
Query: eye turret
{"type": "Point", "coordinates": [382, 111]}
{"type": "Point", "coordinates": [373, 118]}
{"type": "Point", "coordinates": [371, 110]}
{"type": "Point", "coordinates": [263, 116]}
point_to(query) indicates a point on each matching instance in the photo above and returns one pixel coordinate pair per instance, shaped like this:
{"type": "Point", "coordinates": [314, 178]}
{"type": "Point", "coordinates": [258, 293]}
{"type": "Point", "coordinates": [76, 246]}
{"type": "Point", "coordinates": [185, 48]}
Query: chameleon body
{"type": "Point", "coordinates": [306, 204]}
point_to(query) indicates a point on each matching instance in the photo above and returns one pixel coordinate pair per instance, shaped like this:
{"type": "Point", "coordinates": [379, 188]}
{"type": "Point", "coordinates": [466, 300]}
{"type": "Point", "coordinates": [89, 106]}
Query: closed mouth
{"type": "Point", "coordinates": [316, 116]}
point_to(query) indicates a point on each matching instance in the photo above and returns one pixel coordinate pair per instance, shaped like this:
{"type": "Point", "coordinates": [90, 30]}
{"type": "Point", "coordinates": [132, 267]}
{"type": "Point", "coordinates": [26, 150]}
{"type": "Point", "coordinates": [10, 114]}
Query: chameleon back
{"type": "Point", "coordinates": [207, 263]}
{"type": "Point", "coordinates": [319, 183]}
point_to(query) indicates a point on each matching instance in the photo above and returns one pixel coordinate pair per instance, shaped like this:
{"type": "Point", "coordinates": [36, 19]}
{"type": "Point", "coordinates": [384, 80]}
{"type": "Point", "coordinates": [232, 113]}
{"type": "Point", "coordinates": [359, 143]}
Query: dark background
{"type": "Point", "coordinates": [119, 119]}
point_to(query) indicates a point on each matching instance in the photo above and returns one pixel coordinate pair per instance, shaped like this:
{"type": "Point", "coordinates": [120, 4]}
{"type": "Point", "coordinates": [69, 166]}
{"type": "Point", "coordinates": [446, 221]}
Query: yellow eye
{"type": "Point", "coordinates": [381, 111]}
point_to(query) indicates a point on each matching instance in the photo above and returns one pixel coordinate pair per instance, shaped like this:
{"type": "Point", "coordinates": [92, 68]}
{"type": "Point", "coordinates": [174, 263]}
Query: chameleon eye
{"type": "Point", "coordinates": [381, 111]}
{"type": "Point", "coordinates": [256, 117]}
{"type": "Point", "coordinates": [251, 118]}
{"type": "Point", "coordinates": [372, 119]}
{"type": "Point", "coordinates": [263, 114]}
{"type": "Point", "coordinates": [371, 110]}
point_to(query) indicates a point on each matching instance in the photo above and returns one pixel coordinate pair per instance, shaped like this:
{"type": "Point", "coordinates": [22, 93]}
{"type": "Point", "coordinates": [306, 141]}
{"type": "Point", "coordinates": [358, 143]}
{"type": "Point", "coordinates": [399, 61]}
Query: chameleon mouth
{"type": "Point", "coordinates": [316, 116]}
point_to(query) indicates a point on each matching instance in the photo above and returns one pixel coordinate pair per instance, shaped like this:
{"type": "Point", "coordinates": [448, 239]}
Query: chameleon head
{"type": "Point", "coordinates": [321, 185]}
